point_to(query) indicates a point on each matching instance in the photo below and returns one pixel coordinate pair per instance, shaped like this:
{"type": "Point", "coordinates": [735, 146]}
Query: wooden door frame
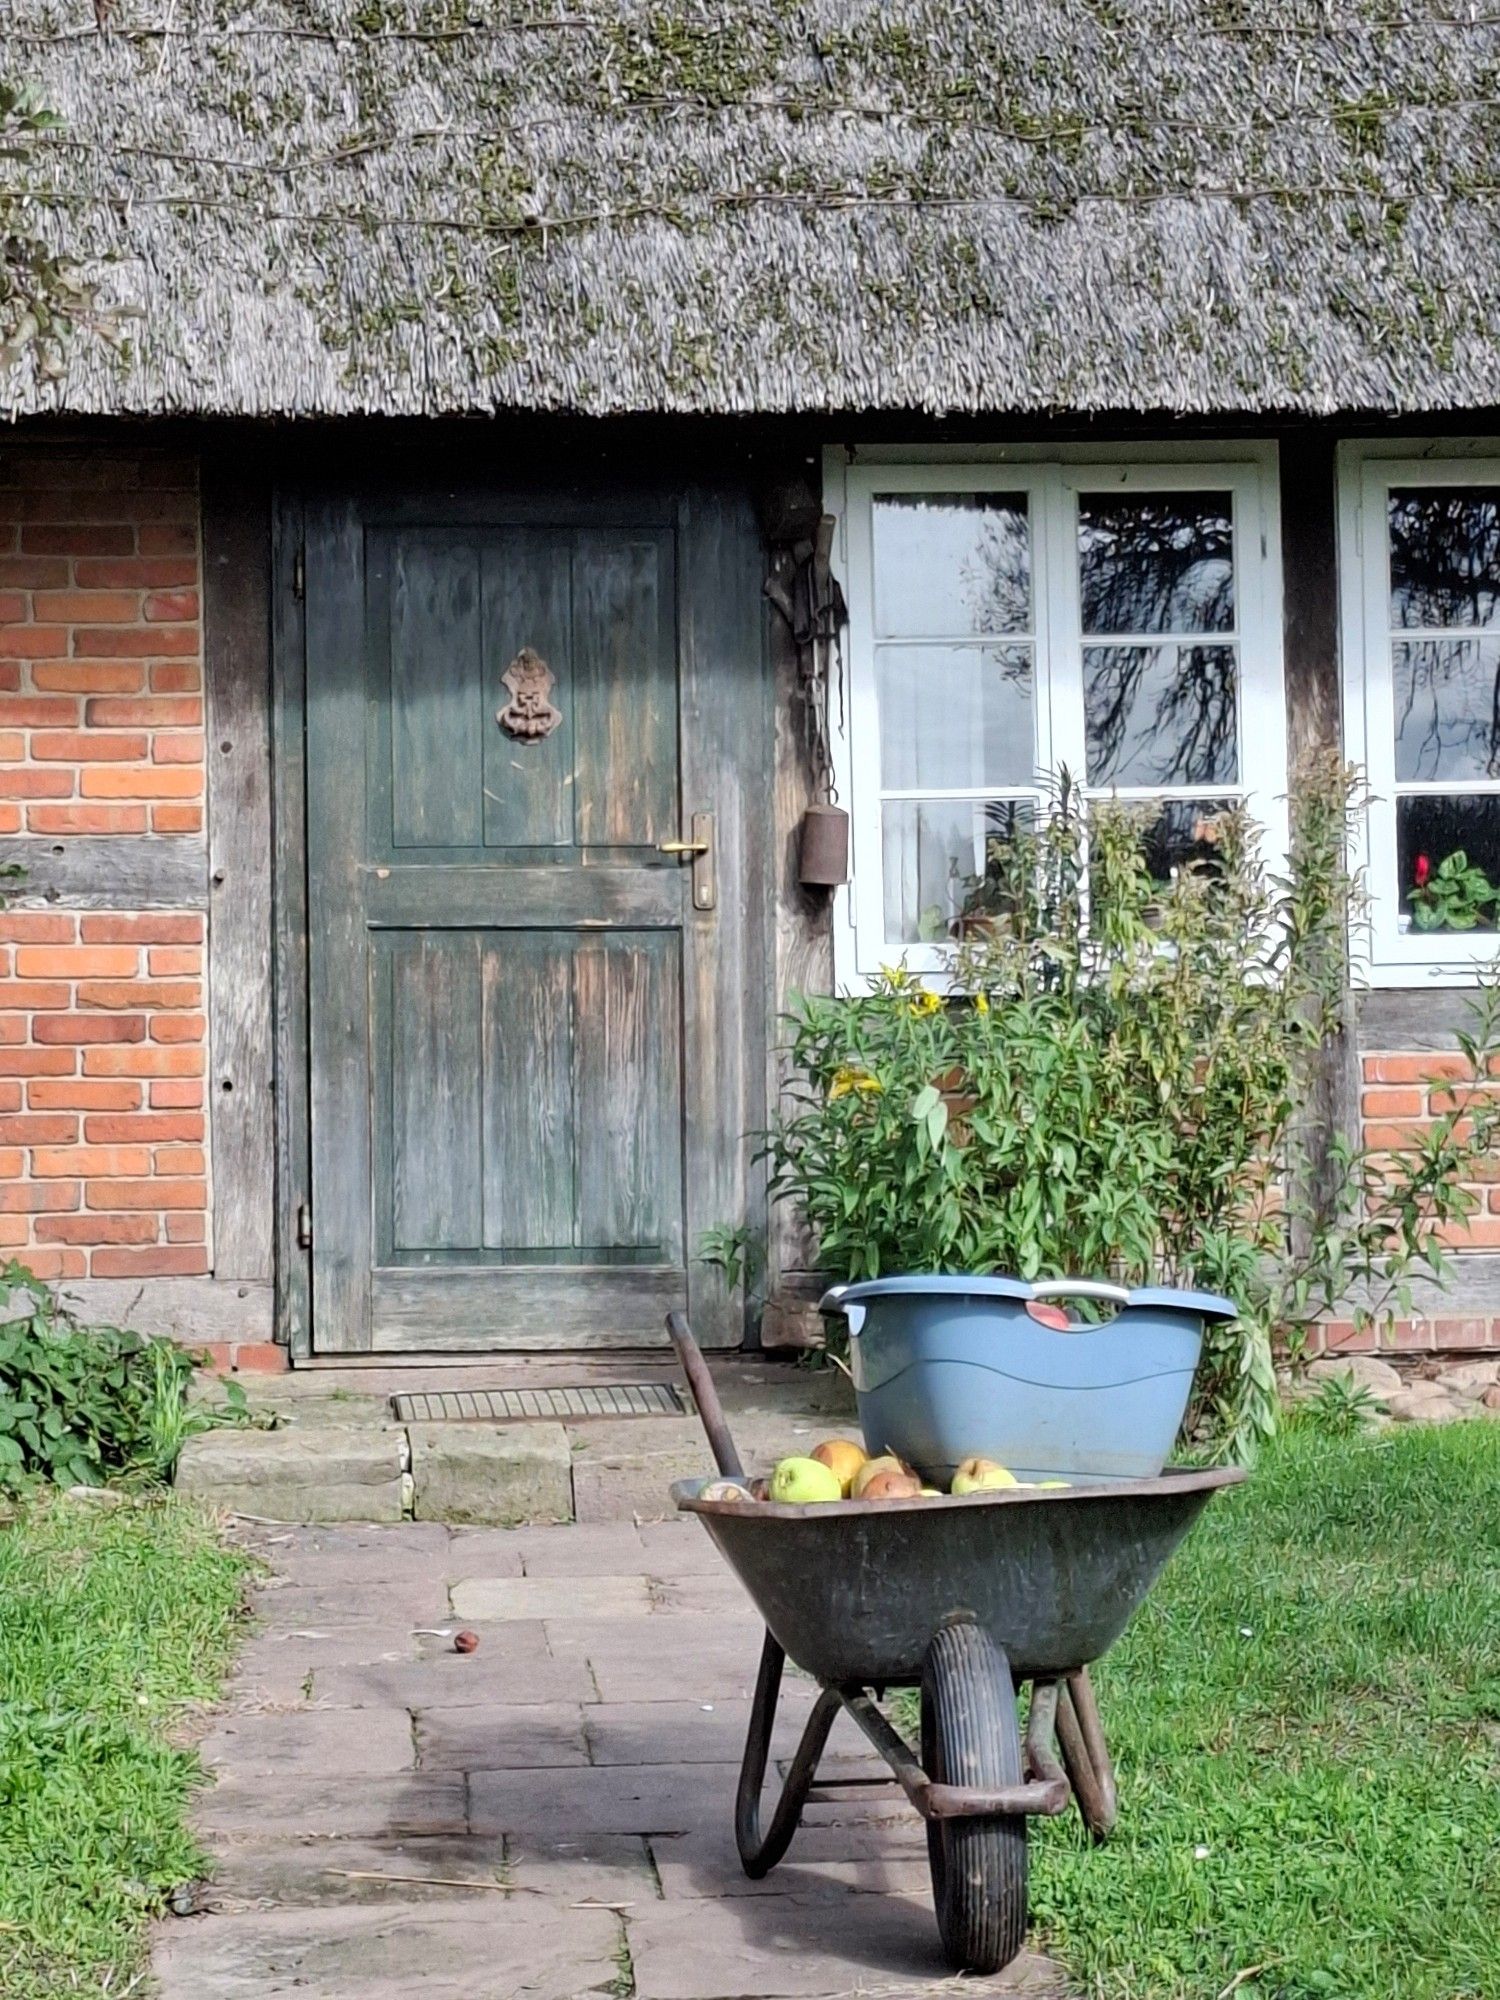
{"type": "Point", "coordinates": [720, 568]}
{"type": "Point", "coordinates": [289, 936]}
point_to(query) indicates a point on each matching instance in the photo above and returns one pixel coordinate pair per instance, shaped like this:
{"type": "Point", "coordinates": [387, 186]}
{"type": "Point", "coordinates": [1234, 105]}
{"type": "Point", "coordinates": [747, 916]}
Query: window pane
{"type": "Point", "coordinates": [943, 864]}
{"type": "Point", "coordinates": [1447, 701]}
{"type": "Point", "coordinates": [1184, 832]}
{"type": "Point", "coordinates": [955, 716]}
{"type": "Point", "coordinates": [1156, 562]}
{"type": "Point", "coordinates": [949, 565]}
{"type": "Point", "coordinates": [1429, 830]}
{"type": "Point", "coordinates": [1445, 555]}
{"type": "Point", "coordinates": [1161, 715]}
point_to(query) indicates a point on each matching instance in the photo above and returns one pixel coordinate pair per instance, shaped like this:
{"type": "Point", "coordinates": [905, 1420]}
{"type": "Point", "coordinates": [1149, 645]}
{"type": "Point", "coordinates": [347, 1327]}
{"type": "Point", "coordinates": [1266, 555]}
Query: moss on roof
{"type": "Point", "coordinates": [933, 205]}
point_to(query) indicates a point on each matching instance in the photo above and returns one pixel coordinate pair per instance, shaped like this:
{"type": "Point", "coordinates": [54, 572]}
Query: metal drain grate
{"type": "Point", "coordinates": [615, 1399]}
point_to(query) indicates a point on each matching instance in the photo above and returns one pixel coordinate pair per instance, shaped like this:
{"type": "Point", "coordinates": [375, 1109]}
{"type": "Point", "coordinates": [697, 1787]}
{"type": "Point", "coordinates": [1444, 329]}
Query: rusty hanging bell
{"type": "Point", "coordinates": [823, 851]}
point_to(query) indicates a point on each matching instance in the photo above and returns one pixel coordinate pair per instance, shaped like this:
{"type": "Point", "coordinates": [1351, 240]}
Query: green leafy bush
{"type": "Point", "coordinates": [83, 1404]}
{"type": "Point", "coordinates": [1125, 1092]}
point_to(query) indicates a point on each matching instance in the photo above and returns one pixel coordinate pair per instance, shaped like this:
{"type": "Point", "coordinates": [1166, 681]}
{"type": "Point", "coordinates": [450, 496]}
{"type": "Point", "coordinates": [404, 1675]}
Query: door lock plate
{"type": "Point", "coordinates": [701, 848]}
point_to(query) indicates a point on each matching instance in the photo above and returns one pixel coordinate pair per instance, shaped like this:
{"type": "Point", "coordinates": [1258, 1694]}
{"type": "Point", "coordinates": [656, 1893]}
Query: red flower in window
{"type": "Point", "coordinates": [1421, 869]}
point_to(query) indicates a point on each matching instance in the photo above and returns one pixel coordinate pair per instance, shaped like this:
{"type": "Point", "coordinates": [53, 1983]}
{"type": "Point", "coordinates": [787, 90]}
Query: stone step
{"type": "Point", "coordinates": [337, 1454]}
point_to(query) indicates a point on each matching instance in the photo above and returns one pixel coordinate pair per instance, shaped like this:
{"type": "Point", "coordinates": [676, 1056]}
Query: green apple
{"type": "Point", "coordinates": [798, 1481]}
{"type": "Point", "coordinates": [982, 1475]}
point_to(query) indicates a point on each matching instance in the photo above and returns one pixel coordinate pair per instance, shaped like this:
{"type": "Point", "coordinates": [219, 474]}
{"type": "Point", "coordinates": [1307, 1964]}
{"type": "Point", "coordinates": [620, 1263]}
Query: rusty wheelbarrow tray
{"type": "Point", "coordinates": [966, 1598]}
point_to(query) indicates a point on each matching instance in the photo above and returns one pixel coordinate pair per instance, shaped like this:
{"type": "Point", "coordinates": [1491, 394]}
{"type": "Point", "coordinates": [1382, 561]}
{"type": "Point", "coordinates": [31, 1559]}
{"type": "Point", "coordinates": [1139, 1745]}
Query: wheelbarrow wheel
{"type": "Point", "coordinates": [970, 1737]}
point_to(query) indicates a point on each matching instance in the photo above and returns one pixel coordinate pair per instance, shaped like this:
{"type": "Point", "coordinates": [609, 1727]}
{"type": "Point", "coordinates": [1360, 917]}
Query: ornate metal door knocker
{"type": "Point", "coordinates": [528, 715]}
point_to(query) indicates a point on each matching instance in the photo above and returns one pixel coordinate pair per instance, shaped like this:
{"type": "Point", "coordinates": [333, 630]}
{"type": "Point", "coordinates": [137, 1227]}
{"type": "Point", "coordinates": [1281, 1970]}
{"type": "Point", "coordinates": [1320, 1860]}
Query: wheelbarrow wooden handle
{"type": "Point", "coordinates": [705, 1395]}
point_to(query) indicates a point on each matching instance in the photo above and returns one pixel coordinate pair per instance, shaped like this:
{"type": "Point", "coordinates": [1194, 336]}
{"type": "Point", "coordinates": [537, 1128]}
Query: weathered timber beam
{"type": "Point", "coordinates": [242, 1075]}
{"type": "Point", "coordinates": [112, 871]}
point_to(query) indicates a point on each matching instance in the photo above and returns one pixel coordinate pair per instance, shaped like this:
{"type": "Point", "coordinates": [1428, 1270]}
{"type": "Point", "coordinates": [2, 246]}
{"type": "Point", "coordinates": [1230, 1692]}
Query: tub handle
{"type": "Point", "coordinates": [853, 1316]}
{"type": "Point", "coordinates": [1081, 1288]}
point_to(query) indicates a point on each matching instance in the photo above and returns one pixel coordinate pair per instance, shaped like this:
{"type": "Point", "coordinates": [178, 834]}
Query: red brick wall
{"type": "Point", "coordinates": [1402, 1092]}
{"type": "Point", "coordinates": [104, 1170]}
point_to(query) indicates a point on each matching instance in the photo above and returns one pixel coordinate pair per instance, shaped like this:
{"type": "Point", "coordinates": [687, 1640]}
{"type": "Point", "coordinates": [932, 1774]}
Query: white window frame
{"type": "Point", "coordinates": [1052, 478]}
{"type": "Point", "coordinates": [1384, 954]}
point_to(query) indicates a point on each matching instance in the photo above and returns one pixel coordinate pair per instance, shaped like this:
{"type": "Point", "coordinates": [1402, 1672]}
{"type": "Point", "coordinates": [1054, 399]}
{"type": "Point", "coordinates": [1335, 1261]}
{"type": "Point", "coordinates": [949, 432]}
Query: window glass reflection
{"type": "Point", "coordinates": [1447, 708]}
{"type": "Point", "coordinates": [1161, 715]}
{"type": "Point", "coordinates": [951, 565]}
{"type": "Point", "coordinates": [1156, 562]}
{"type": "Point", "coordinates": [1445, 555]}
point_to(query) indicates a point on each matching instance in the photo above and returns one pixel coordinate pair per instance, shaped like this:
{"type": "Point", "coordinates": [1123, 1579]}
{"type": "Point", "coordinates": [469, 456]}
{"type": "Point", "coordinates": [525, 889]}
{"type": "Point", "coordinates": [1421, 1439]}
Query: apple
{"type": "Point", "coordinates": [982, 1475]}
{"type": "Point", "coordinates": [798, 1482]}
{"type": "Point", "coordinates": [723, 1489]}
{"type": "Point", "coordinates": [892, 1486]}
{"type": "Point", "coordinates": [842, 1457]}
{"type": "Point", "coordinates": [872, 1468]}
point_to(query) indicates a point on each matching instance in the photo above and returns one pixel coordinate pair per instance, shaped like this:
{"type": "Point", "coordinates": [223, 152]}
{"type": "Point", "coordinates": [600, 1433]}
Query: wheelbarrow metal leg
{"type": "Point", "coordinates": [1085, 1754]}
{"type": "Point", "coordinates": [760, 1853]}
{"type": "Point", "coordinates": [1041, 1732]}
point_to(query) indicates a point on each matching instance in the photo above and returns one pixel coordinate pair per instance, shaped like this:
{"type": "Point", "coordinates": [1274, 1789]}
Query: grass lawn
{"type": "Point", "coordinates": [1306, 1724]}
{"type": "Point", "coordinates": [109, 1623]}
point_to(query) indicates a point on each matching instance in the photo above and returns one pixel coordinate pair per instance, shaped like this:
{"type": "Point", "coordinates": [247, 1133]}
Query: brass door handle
{"type": "Point", "coordinates": [700, 851]}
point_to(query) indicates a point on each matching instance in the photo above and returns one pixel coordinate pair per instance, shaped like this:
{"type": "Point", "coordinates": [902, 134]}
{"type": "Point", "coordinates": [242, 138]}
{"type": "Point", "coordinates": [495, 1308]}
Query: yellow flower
{"type": "Point", "coordinates": [981, 1003]}
{"type": "Point", "coordinates": [926, 1003]}
{"type": "Point", "coordinates": [846, 1081]}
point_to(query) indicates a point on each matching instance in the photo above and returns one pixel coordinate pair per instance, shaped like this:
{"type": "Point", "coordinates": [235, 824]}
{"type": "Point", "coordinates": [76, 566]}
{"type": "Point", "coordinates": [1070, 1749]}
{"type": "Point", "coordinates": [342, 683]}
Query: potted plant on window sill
{"type": "Point", "coordinates": [1454, 896]}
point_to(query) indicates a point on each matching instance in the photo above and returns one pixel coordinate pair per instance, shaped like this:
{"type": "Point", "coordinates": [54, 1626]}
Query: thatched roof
{"type": "Point", "coordinates": [421, 206]}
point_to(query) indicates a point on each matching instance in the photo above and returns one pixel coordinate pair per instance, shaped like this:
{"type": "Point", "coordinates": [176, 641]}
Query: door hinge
{"type": "Point", "coordinates": [299, 573]}
{"type": "Point", "coordinates": [304, 1225]}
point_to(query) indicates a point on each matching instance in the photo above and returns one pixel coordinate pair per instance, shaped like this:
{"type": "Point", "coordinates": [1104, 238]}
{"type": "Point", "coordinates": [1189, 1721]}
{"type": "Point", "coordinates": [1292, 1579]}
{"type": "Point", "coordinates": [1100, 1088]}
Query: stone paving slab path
{"type": "Point", "coordinates": [549, 1816]}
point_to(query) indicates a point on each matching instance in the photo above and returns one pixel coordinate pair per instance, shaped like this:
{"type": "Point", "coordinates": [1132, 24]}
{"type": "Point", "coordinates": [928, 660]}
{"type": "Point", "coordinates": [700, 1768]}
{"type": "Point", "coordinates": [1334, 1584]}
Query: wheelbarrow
{"type": "Point", "coordinates": [966, 1598]}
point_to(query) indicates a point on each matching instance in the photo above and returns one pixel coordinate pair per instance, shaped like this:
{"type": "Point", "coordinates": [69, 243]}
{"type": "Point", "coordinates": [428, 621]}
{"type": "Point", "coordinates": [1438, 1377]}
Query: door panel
{"type": "Point", "coordinates": [436, 696]}
{"type": "Point", "coordinates": [428, 1059]}
{"type": "Point", "coordinates": [533, 1076]}
{"type": "Point", "coordinates": [528, 790]}
{"type": "Point", "coordinates": [627, 1104]}
{"type": "Point", "coordinates": [627, 699]}
{"type": "Point", "coordinates": [527, 1097]}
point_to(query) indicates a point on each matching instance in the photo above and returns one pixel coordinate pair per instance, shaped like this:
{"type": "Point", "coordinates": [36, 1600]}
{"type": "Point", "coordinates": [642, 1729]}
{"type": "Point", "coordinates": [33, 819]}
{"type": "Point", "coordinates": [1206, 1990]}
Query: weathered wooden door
{"type": "Point", "coordinates": [536, 1055]}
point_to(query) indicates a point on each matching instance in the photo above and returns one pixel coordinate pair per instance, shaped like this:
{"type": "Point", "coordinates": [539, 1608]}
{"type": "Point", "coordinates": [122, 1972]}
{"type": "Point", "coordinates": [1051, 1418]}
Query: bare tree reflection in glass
{"type": "Point", "coordinates": [1164, 714]}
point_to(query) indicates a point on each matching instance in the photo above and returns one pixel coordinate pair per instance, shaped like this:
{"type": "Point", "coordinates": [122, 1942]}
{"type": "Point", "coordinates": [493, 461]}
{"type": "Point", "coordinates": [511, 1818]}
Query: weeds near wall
{"type": "Point", "coordinates": [80, 1405]}
{"type": "Point", "coordinates": [1130, 1087]}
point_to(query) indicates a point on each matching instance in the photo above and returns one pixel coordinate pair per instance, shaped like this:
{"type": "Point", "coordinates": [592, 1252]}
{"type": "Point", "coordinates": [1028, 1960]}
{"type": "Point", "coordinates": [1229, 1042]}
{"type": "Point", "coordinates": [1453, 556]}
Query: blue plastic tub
{"type": "Point", "coordinates": [952, 1368]}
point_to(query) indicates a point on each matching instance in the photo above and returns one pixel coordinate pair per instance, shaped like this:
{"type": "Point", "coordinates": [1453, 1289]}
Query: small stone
{"type": "Point", "coordinates": [1471, 1378]}
{"type": "Point", "coordinates": [1410, 1408]}
{"type": "Point", "coordinates": [1364, 1371]}
{"type": "Point", "coordinates": [1491, 1399]}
